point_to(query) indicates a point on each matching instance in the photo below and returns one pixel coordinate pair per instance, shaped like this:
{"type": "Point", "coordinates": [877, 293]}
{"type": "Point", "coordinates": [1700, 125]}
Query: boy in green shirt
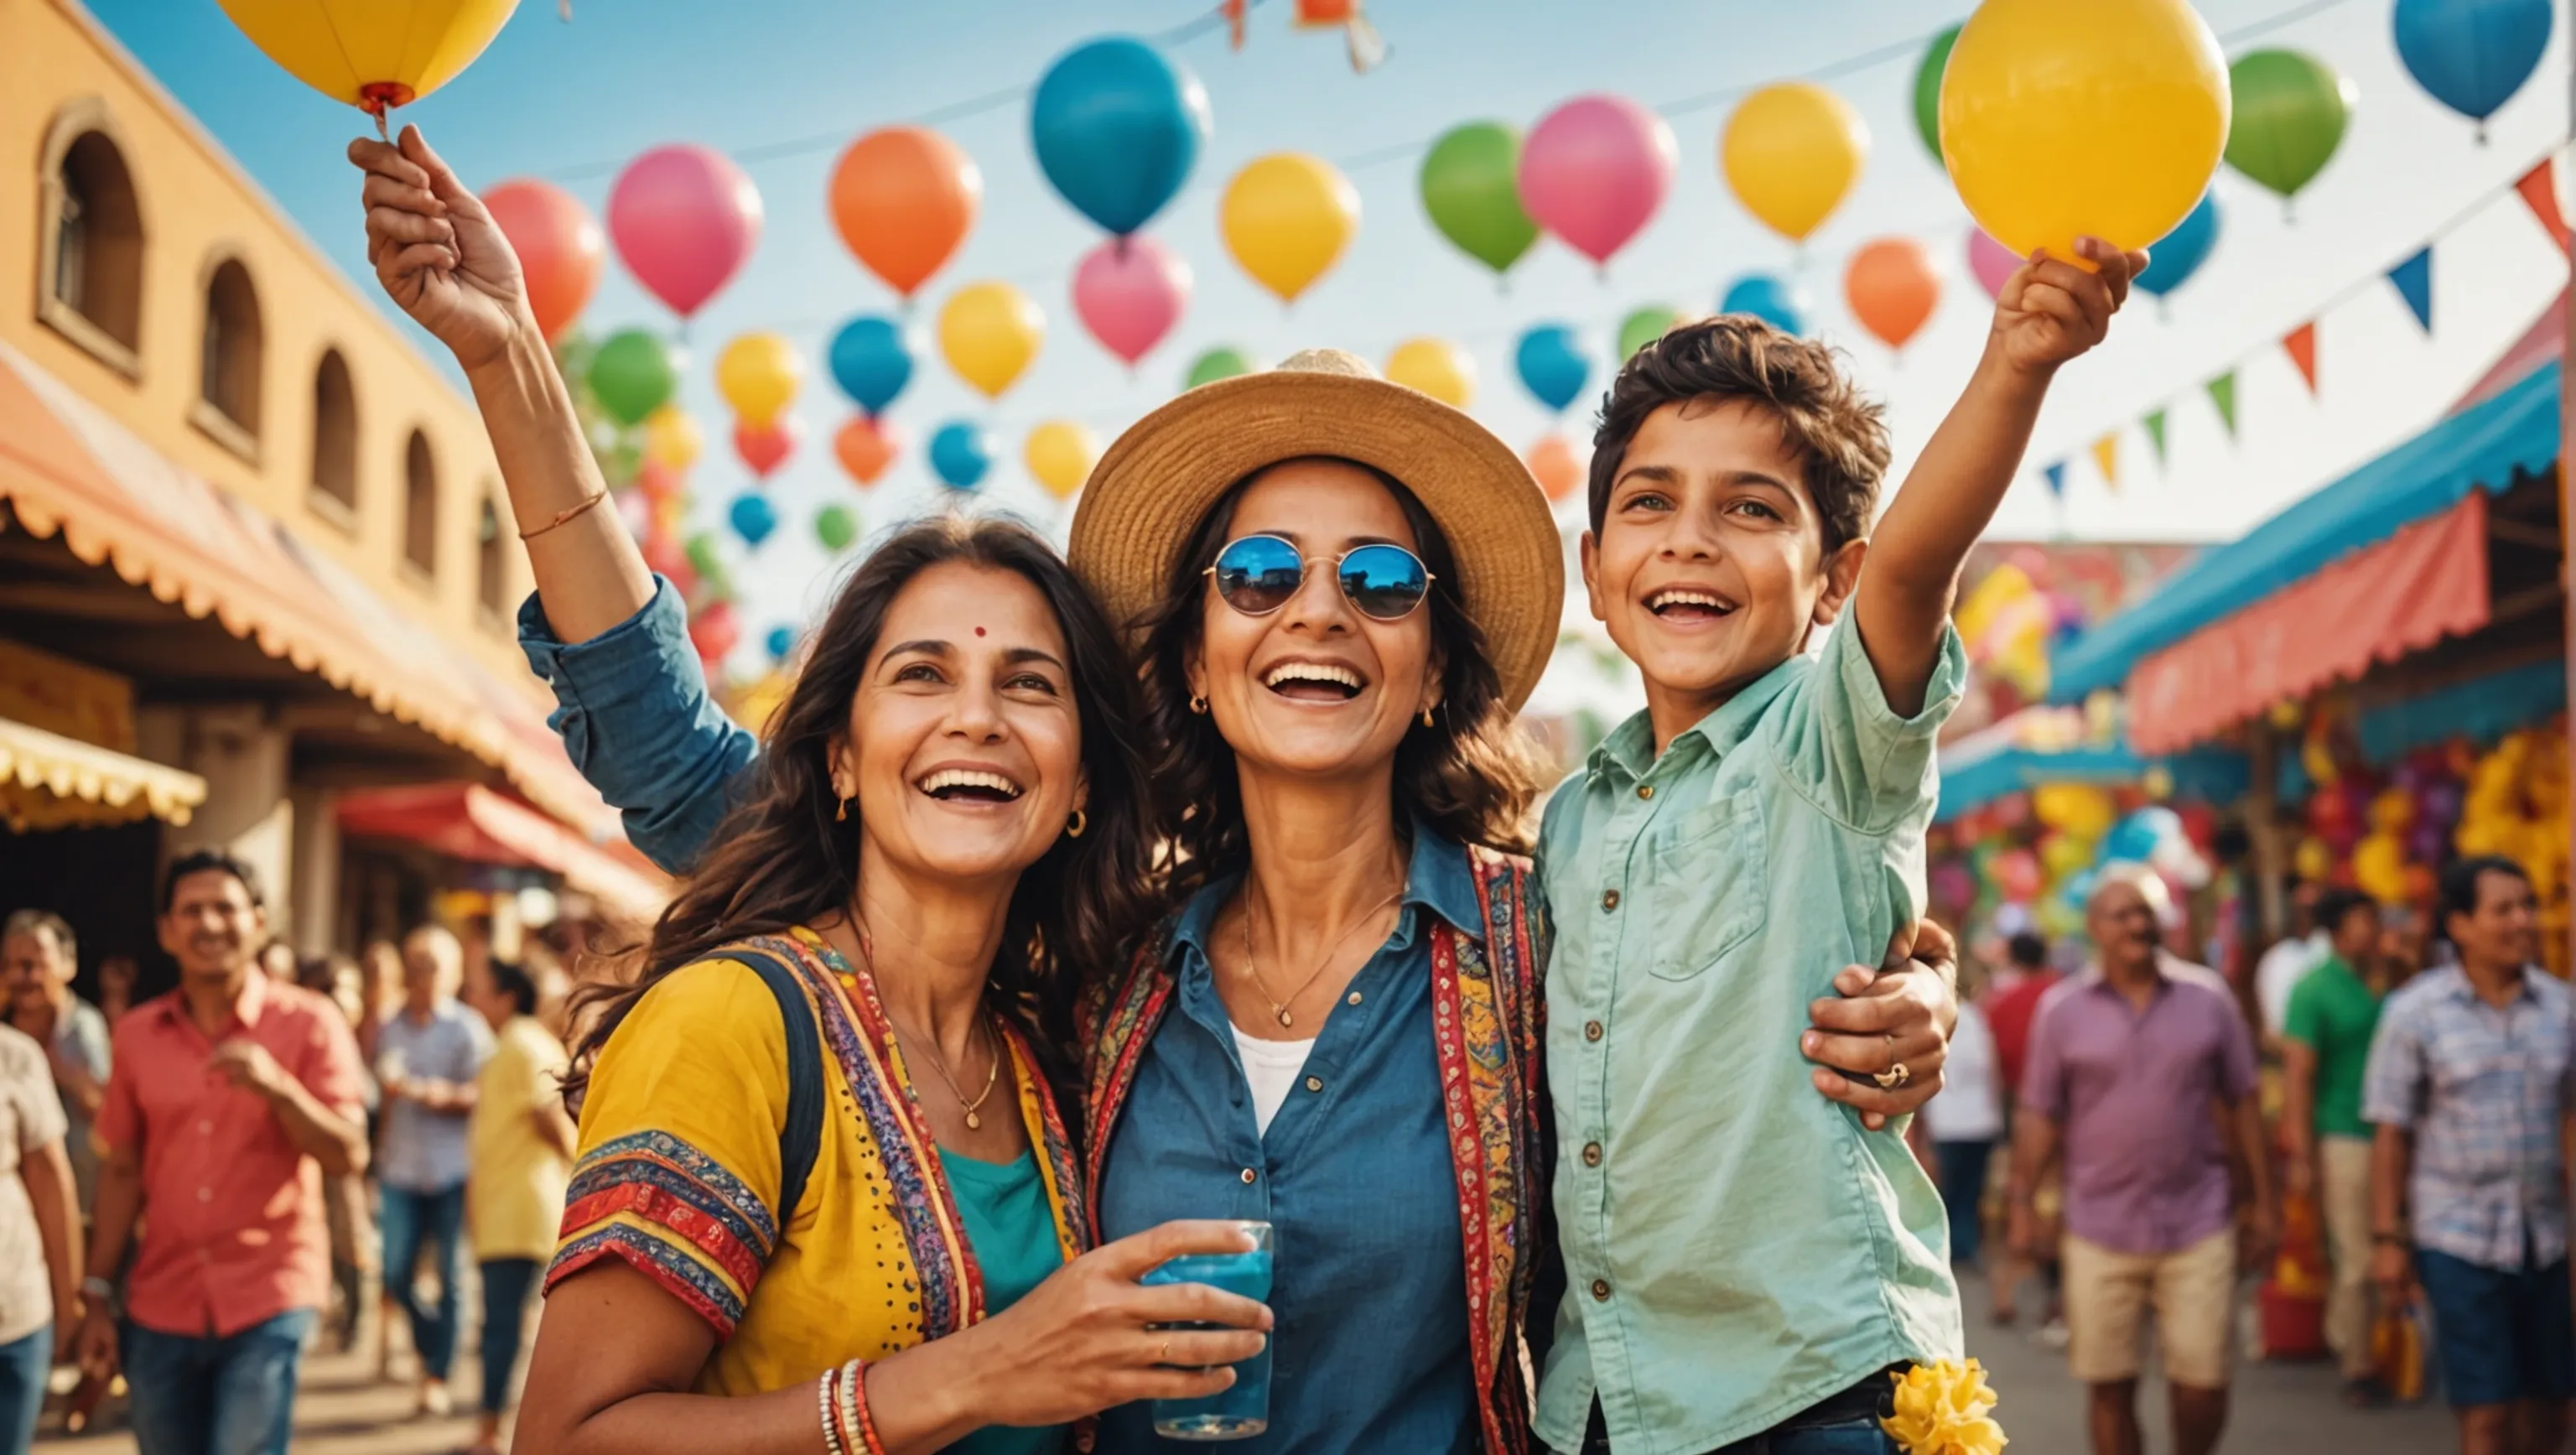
{"type": "Point", "coordinates": [1743, 1258]}
{"type": "Point", "coordinates": [2325, 1047]}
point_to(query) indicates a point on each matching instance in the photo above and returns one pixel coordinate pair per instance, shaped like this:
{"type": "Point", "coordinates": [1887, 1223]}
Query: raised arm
{"type": "Point", "coordinates": [2050, 312]}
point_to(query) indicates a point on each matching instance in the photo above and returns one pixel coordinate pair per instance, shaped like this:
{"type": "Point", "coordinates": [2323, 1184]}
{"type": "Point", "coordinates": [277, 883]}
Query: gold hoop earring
{"type": "Point", "coordinates": [1198, 704]}
{"type": "Point", "coordinates": [1074, 826]}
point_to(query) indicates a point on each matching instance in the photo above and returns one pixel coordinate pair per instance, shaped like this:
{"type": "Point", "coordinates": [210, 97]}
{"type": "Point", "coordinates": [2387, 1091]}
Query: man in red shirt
{"type": "Point", "coordinates": [231, 1098]}
{"type": "Point", "coordinates": [2008, 1015]}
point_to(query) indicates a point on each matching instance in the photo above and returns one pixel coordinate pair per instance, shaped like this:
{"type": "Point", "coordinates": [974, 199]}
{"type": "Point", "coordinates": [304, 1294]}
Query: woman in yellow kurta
{"type": "Point", "coordinates": [803, 1219]}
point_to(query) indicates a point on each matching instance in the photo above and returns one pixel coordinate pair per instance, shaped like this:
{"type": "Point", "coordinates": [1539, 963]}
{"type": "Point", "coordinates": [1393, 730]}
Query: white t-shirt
{"type": "Point", "coordinates": [1969, 1107]}
{"type": "Point", "coordinates": [2279, 972]}
{"type": "Point", "coordinates": [1271, 1067]}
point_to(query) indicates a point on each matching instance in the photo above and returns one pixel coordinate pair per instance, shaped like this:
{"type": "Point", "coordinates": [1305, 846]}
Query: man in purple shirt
{"type": "Point", "coordinates": [2135, 1067]}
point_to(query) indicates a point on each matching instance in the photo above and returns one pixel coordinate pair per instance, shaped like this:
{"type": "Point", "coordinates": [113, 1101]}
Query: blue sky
{"type": "Point", "coordinates": [786, 83]}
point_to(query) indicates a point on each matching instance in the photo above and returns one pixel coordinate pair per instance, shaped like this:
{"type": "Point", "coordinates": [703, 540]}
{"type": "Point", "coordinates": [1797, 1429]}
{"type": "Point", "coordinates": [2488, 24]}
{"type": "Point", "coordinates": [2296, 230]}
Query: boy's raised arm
{"type": "Point", "coordinates": [2050, 312]}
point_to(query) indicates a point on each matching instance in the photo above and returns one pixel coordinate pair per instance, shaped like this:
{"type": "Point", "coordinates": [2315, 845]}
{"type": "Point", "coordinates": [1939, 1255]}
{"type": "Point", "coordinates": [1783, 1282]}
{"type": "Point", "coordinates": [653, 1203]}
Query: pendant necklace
{"type": "Point", "coordinates": [1279, 1007]}
{"type": "Point", "coordinates": [938, 1062]}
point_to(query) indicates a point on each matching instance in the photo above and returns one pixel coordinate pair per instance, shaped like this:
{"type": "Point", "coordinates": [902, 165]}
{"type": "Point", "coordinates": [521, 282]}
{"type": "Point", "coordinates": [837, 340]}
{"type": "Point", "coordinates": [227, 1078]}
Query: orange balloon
{"type": "Point", "coordinates": [904, 197]}
{"type": "Point", "coordinates": [1559, 470]}
{"type": "Point", "coordinates": [558, 243]}
{"type": "Point", "coordinates": [867, 447]}
{"type": "Point", "coordinates": [1893, 288]}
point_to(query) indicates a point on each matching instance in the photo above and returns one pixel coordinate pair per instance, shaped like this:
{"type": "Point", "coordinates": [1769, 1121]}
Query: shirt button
{"type": "Point", "coordinates": [1592, 1154]}
{"type": "Point", "coordinates": [1355, 997]}
{"type": "Point", "coordinates": [1601, 1289]}
{"type": "Point", "coordinates": [1592, 1030]}
{"type": "Point", "coordinates": [1248, 1176]}
{"type": "Point", "coordinates": [1609, 900]}
{"type": "Point", "coordinates": [1645, 790]}
{"type": "Point", "coordinates": [1314, 1083]}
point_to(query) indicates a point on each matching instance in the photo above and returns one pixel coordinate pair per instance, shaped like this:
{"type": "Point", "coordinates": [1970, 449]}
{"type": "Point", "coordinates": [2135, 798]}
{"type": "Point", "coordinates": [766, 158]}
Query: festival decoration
{"type": "Point", "coordinates": [2106, 121]}
{"type": "Point", "coordinates": [715, 631]}
{"type": "Point", "coordinates": [1791, 153]}
{"type": "Point", "coordinates": [672, 438]}
{"type": "Point", "coordinates": [371, 54]}
{"type": "Point", "coordinates": [706, 556]}
{"type": "Point", "coordinates": [1927, 90]}
{"type": "Point", "coordinates": [1944, 1408]}
{"type": "Point", "coordinates": [752, 517]}
{"type": "Point", "coordinates": [1471, 189]}
{"type": "Point", "coordinates": [1776, 301]}
{"type": "Point", "coordinates": [2291, 111]}
{"type": "Point", "coordinates": [1595, 170]}
{"type": "Point", "coordinates": [1060, 454]}
{"type": "Point", "coordinates": [903, 198]}
{"type": "Point", "coordinates": [2178, 254]}
{"type": "Point", "coordinates": [1643, 326]}
{"type": "Point", "coordinates": [865, 447]}
{"type": "Point", "coordinates": [871, 360]}
{"type": "Point", "coordinates": [2222, 395]}
{"type": "Point", "coordinates": [2106, 459]}
{"type": "Point", "coordinates": [762, 450]}
{"type": "Point", "coordinates": [1553, 364]}
{"type": "Point", "coordinates": [1435, 367]}
{"type": "Point", "coordinates": [1129, 292]}
{"type": "Point", "coordinates": [685, 220]}
{"type": "Point", "coordinates": [1286, 218]}
{"type": "Point", "coordinates": [1222, 362]}
{"type": "Point", "coordinates": [2413, 280]}
{"type": "Point", "coordinates": [835, 527]}
{"type": "Point", "coordinates": [1117, 128]}
{"type": "Point", "coordinates": [989, 332]}
{"type": "Point", "coordinates": [1892, 288]}
{"type": "Point", "coordinates": [2539, 189]}
{"type": "Point", "coordinates": [558, 244]}
{"type": "Point", "coordinates": [758, 374]}
{"type": "Point", "coordinates": [2301, 345]}
{"type": "Point", "coordinates": [2472, 55]}
{"type": "Point", "coordinates": [1559, 469]}
{"type": "Point", "coordinates": [781, 643]}
{"type": "Point", "coordinates": [1992, 262]}
{"type": "Point", "coordinates": [631, 375]}
{"type": "Point", "coordinates": [959, 456]}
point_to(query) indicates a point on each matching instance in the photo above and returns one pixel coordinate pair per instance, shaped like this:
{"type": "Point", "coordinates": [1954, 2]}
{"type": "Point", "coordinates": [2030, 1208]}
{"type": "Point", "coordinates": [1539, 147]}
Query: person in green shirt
{"type": "Point", "coordinates": [2325, 1045]}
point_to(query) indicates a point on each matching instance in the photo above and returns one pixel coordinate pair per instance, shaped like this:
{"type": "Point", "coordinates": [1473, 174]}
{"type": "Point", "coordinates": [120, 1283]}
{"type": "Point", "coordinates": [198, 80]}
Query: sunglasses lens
{"type": "Point", "coordinates": [1384, 582]}
{"type": "Point", "coordinates": [1258, 574]}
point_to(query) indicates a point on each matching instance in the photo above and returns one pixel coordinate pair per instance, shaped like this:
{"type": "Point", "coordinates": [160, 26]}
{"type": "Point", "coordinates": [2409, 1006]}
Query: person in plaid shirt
{"type": "Point", "coordinates": [2469, 1087]}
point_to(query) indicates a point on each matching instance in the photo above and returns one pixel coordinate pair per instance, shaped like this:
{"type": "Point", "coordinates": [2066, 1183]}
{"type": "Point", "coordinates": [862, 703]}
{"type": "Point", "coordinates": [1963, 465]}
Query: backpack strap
{"type": "Point", "coordinates": [800, 1142]}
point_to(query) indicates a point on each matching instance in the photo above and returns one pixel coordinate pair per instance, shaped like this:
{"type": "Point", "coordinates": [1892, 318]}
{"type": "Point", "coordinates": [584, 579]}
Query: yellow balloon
{"type": "Point", "coordinates": [372, 53]}
{"type": "Point", "coordinates": [1435, 367]}
{"type": "Point", "coordinates": [1791, 153]}
{"type": "Point", "coordinates": [1060, 454]}
{"type": "Point", "coordinates": [758, 374]}
{"type": "Point", "coordinates": [672, 438]}
{"type": "Point", "coordinates": [990, 331]}
{"type": "Point", "coordinates": [2105, 118]}
{"type": "Point", "coordinates": [1286, 218]}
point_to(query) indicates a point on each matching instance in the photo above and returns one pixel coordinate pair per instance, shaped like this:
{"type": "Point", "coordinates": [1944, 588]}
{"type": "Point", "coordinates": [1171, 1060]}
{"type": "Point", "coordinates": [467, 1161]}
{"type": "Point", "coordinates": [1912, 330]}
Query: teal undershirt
{"type": "Point", "coordinates": [1011, 1229]}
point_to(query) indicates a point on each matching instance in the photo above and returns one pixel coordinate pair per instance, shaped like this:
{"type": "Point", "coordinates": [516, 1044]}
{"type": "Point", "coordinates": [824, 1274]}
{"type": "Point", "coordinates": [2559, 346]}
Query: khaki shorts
{"type": "Point", "coordinates": [2193, 1293]}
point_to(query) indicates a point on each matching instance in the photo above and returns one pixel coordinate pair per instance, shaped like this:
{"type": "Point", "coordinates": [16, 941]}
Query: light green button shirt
{"type": "Point", "coordinates": [1737, 1249]}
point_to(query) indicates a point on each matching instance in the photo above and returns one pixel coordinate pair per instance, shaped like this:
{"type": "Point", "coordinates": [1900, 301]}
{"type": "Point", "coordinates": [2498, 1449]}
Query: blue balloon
{"type": "Point", "coordinates": [2178, 254]}
{"type": "Point", "coordinates": [2136, 838]}
{"type": "Point", "coordinates": [781, 642]}
{"type": "Point", "coordinates": [2472, 54]}
{"type": "Point", "coordinates": [753, 517]}
{"type": "Point", "coordinates": [1553, 364]}
{"type": "Point", "coordinates": [1117, 128]}
{"type": "Point", "coordinates": [959, 455]}
{"type": "Point", "coordinates": [1772, 300]}
{"type": "Point", "coordinates": [871, 362]}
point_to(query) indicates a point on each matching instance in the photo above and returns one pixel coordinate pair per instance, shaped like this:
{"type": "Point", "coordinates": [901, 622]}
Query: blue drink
{"type": "Point", "coordinates": [1242, 1410]}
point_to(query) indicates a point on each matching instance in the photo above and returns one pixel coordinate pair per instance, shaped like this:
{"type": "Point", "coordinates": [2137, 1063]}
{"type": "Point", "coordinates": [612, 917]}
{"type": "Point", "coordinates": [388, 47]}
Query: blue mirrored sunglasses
{"type": "Point", "coordinates": [1257, 575]}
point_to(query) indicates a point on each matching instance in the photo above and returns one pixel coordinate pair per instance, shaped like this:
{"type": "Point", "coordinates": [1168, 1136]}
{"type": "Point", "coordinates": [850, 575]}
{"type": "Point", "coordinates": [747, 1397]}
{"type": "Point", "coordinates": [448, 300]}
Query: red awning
{"type": "Point", "coordinates": [2426, 583]}
{"type": "Point", "coordinates": [470, 822]}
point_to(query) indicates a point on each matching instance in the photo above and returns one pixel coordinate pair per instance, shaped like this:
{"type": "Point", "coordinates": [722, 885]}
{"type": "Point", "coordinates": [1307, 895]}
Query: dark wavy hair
{"type": "Point", "coordinates": [1473, 776]}
{"type": "Point", "coordinates": [781, 858]}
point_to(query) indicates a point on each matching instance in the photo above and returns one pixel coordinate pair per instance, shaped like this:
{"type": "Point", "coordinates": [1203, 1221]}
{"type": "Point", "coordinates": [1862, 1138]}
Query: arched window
{"type": "Point", "coordinates": [491, 557]}
{"type": "Point", "coordinates": [335, 431]}
{"type": "Point", "coordinates": [228, 356]}
{"type": "Point", "coordinates": [90, 239]}
{"type": "Point", "coordinates": [420, 505]}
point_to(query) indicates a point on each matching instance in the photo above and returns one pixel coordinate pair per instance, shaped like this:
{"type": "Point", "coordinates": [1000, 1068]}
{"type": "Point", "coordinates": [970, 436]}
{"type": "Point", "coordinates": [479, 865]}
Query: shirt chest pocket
{"type": "Point", "coordinates": [1709, 872]}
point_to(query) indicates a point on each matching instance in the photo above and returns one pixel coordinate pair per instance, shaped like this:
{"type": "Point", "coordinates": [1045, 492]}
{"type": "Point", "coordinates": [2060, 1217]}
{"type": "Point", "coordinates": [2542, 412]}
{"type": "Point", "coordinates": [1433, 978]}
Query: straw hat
{"type": "Point", "coordinates": [1158, 479]}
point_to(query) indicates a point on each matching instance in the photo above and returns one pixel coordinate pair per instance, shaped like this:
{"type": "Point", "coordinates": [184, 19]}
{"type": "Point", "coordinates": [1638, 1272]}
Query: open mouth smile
{"type": "Point", "coordinates": [1689, 604]}
{"type": "Point", "coordinates": [966, 785]}
{"type": "Point", "coordinates": [1313, 682]}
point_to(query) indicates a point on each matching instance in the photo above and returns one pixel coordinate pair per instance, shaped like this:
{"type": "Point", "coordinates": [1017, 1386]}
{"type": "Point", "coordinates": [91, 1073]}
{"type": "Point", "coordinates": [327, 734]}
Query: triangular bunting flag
{"type": "Point", "coordinates": [2222, 392]}
{"type": "Point", "coordinates": [2056, 479]}
{"type": "Point", "coordinates": [2155, 424]}
{"type": "Point", "coordinates": [2301, 343]}
{"type": "Point", "coordinates": [2106, 457]}
{"type": "Point", "coordinates": [2539, 189]}
{"type": "Point", "coordinates": [2414, 282]}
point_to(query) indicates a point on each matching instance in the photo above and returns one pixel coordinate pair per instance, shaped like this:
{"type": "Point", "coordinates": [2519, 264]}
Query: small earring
{"type": "Point", "coordinates": [1426, 717]}
{"type": "Point", "coordinates": [841, 814]}
{"type": "Point", "coordinates": [1074, 826]}
{"type": "Point", "coordinates": [1198, 704]}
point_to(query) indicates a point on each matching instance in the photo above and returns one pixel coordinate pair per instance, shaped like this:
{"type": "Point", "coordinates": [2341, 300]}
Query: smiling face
{"type": "Point", "coordinates": [1315, 688]}
{"type": "Point", "coordinates": [212, 926]}
{"type": "Point", "coordinates": [964, 749]}
{"type": "Point", "coordinates": [1709, 565]}
{"type": "Point", "coordinates": [2122, 922]}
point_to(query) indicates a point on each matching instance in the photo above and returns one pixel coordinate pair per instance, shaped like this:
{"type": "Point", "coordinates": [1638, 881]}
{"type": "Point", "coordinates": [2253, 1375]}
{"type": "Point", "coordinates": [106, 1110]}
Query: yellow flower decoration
{"type": "Point", "coordinates": [1943, 1409]}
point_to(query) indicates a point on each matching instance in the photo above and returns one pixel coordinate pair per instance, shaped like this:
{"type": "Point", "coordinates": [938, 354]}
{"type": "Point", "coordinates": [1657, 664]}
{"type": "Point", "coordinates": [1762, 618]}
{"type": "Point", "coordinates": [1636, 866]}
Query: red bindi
{"type": "Point", "coordinates": [979, 631]}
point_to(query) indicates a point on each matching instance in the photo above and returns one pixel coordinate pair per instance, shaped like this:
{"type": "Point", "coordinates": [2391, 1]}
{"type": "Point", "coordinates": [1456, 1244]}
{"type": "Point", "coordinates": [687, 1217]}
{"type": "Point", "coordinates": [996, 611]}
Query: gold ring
{"type": "Point", "coordinates": [1165, 1357]}
{"type": "Point", "coordinates": [1893, 1077]}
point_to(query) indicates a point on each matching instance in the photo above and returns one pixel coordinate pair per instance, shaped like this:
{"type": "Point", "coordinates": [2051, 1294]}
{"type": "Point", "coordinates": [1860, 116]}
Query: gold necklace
{"type": "Point", "coordinates": [1279, 1007]}
{"type": "Point", "coordinates": [938, 1063]}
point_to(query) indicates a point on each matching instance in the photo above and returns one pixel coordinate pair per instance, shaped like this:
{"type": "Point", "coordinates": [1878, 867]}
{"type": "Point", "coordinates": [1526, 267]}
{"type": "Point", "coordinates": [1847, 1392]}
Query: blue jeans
{"type": "Point", "coordinates": [2500, 1335]}
{"type": "Point", "coordinates": [24, 1364]}
{"type": "Point", "coordinates": [1859, 1435]}
{"type": "Point", "coordinates": [411, 1219]}
{"type": "Point", "coordinates": [233, 1395]}
{"type": "Point", "coordinates": [1963, 1190]}
{"type": "Point", "coordinates": [505, 1304]}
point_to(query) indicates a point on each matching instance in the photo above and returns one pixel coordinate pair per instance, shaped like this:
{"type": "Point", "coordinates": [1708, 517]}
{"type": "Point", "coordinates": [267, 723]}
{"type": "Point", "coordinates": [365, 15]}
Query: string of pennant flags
{"type": "Point", "coordinates": [2411, 277]}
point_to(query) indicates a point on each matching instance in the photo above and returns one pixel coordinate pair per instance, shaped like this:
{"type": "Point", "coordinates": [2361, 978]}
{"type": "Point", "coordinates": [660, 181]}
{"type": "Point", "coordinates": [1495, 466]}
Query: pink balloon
{"type": "Point", "coordinates": [1129, 292]}
{"type": "Point", "coordinates": [1595, 170]}
{"type": "Point", "coordinates": [1992, 262]}
{"type": "Point", "coordinates": [684, 219]}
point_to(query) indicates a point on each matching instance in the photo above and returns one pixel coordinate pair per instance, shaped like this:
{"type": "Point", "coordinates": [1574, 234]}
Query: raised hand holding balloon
{"type": "Point", "coordinates": [372, 54]}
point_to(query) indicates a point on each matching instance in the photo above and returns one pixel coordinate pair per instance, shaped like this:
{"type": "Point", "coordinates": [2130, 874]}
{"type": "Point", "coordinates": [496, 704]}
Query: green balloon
{"type": "Point", "coordinates": [631, 375]}
{"type": "Point", "coordinates": [1219, 363]}
{"type": "Point", "coordinates": [836, 526]}
{"type": "Point", "coordinates": [1471, 188]}
{"type": "Point", "coordinates": [1927, 90]}
{"type": "Point", "coordinates": [1645, 326]}
{"type": "Point", "coordinates": [704, 558]}
{"type": "Point", "coordinates": [2290, 114]}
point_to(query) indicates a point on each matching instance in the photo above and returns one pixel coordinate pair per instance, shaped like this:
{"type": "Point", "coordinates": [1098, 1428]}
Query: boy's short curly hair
{"type": "Point", "coordinates": [1839, 434]}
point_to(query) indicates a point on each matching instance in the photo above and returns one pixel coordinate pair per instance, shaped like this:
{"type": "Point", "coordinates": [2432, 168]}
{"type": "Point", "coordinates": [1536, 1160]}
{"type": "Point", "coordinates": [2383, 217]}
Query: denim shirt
{"type": "Point", "coordinates": [1370, 1351]}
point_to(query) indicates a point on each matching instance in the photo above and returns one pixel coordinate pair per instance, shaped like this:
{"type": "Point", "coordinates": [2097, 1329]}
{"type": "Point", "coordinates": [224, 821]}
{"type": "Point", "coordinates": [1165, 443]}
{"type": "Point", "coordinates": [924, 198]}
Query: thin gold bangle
{"type": "Point", "coordinates": [564, 515]}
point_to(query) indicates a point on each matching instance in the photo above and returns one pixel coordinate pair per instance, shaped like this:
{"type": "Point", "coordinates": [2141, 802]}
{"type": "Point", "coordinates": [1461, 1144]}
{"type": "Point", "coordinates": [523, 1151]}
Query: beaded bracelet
{"type": "Point", "coordinates": [831, 1423]}
{"type": "Point", "coordinates": [847, 1425]}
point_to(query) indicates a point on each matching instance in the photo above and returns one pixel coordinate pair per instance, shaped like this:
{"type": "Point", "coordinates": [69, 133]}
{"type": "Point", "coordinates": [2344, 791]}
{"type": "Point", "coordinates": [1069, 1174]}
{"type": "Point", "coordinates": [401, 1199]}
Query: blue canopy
{"type": "Point", "coordinates": [2204, 775]}
{"type": "Point", "coordinates": [2514, 432]}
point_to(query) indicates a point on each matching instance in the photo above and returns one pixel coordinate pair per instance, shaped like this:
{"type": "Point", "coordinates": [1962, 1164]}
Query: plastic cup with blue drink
{"type": "Point", "coordinates": [1241, 1410]}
